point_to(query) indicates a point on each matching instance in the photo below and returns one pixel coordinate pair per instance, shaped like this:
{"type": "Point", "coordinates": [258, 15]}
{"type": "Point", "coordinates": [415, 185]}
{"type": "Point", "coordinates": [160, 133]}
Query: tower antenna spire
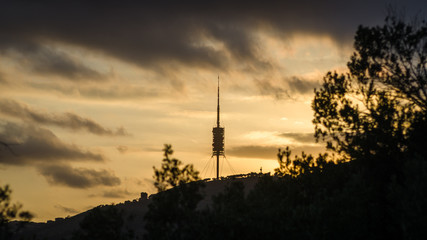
{"type": "Point", "coordinates": [218, 138]}
{"type": "Point", "coordinates": [217, 109]}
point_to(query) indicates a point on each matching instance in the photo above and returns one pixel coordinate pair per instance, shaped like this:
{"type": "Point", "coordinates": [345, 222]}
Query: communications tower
{"type": "Point", "coordinates": [218, 138]}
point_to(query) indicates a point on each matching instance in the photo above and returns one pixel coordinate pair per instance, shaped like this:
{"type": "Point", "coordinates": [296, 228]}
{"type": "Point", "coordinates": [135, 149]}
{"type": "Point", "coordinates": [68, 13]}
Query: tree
{"type": "Point", "coordinates": [228, 217]}
{"type": "Point", "coordinates": [101, 223]}
{"type": "Point", "coordinates": [9, 211]}
{"type": "Point", "coordinates": [376, 113]}
{"type": "Point", "coordinates": [174, 214]}
{"type": "Point", "coordinates": [170, 174]}
{"type": "Point", "coordinates": [300, 165]}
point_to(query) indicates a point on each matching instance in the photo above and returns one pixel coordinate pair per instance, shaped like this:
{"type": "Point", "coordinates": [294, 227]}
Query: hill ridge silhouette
{"type": "Point", "coordinates": [133, 211]}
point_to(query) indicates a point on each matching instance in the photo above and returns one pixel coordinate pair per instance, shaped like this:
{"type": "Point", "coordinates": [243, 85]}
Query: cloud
{"type": "Point", "coordinates": [67, 209]}
{"type": "Point", "coordinates": [270, 152]}
{"type": "Point", "coordinates": [286, 88]}
{"type": "Point", "coordinates": [116, 193]}
{"type": "Point", "coordinates": [33, 145]}
{"type": "Point", "coordinates": [299, 137]}
{"type": "Point", "coordinates": [157, 33]}
{"type": "Point", "coordinates": [122, 149]}
{"type": "Point", "coordinates": [40, 148]}
{"type": "Point", "coordinates": [2, 79]}
{"type": "Point", "coordinates": [50, 61]}
{"type": "Point", "coordinates": [252, 151]}
{"type": "Point", "coordinates": [108, 91]}
{"type": "Point", "coordinates": [78, 177]}
{"type": "Point", "coordinates": [267, 88]}
{"type": "Point", "coordinates": [66, 120]}
{"type": "Point", "coordinates": [301, 86]}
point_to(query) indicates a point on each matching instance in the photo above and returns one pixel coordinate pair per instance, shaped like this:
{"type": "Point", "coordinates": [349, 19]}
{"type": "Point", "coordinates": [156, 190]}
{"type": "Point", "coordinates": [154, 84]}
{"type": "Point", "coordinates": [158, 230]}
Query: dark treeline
{"type": "Point", "coordinates": [336, 203]}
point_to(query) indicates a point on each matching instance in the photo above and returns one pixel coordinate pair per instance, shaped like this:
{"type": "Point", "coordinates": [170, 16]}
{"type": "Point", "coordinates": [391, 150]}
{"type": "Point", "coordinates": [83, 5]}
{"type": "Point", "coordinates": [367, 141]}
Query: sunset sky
{"type": "Point", "coordinates": [90, 92]}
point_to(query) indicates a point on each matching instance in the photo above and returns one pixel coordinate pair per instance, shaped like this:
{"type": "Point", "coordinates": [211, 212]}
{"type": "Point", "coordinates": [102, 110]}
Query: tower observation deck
{"type": "Point", "coordinates": [218, 138]}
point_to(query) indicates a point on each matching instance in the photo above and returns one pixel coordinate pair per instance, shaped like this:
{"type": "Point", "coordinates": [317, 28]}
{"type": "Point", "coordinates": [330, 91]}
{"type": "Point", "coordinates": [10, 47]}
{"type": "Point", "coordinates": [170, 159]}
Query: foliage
{"type": "Point", "coordinates": [373, 113]}
{"type": "Point", "coordinates": [170, 174]}
{"type": "Point", "coordinates": [227, 216]}
{"type": "Point", "coordinates": [335, 203]}
{"type": "Point", "coordinates": [101, 223]}
{"type": "Point", "coordinates": [408, 206]}
{"type": "Point", "coordinates": [300, 164]}
{"type": "Point", "coordinates": [173, 214]}
{"type": "Point", "coordinates": [9, 211]}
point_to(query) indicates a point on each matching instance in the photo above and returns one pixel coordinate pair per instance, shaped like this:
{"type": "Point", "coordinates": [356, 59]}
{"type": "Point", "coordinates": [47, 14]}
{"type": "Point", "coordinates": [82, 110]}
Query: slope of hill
{"type": "Point", "coordinates": [131, 212]}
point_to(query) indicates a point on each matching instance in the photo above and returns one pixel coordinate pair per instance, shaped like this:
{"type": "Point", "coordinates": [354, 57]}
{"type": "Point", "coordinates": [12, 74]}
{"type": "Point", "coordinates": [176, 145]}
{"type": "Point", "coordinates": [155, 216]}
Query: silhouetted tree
{"type": "Point", "coordinates": [170, 174]}
{"type": "Point", "coordinates": [375, 112]}
{"type": "Point", "coordinates": [9, 211]}
{"type": "Point", "coordinates": [101, 223]}
{"type": "Point", "coordinates": [173, 214]}
{"type": "Point", "coordinates": [300, 164]}
{"type": "Point", "coordinates": [376, 115]}
{"type": "Point", "coordinates": [228, 215]}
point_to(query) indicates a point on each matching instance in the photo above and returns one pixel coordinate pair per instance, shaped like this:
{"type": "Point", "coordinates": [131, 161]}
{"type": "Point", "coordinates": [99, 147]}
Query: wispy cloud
{"type": "Point", "coordinates": [33, 145]}
{"type": "Point", "coordinates": [67, 209]}
{"type": "Point", "coordinates": [270, 152]}
{"type": "Point", "coordinates": [253, 151]}
{"type": "Point", "coordinates": [2, 78]}
{"type": "Point", "coordinates": [50, 61]}
{"type": "Point", "coordinates": [66, 120]}
{"type": "Point", "coordinates": [301, 86]}
{"type": "Point", "coordinates": [286, 88]}
{"type": "Point", "coordinates": [122, 149]}
{"type": "Point", "coordinates": [299, 137]}
{"type": "Point", "coordinates": [66, 175]}
{"type": "Point", "coordinates": [39, 148]}
{"type": "Point", "coordinates": [107, 91]}
{"type": "Point", "coordinates": [116, 193]}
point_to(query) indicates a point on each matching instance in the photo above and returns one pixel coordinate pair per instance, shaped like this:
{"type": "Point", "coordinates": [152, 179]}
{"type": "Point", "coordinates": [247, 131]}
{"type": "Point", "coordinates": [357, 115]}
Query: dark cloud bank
{"type": "Point", "coordinates": [153, 34]}
{"type": "Point", "coordinates": [32, 144]}
{"type": "Point", "coordinates": [40, 148]}
{"type": "Point", "coordinates": [49, 61]}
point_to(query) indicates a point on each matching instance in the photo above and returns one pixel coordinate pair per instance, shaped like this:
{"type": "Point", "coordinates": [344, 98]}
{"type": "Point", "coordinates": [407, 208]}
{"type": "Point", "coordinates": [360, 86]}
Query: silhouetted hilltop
{"type": "Point", "coordinates": [132, 213]}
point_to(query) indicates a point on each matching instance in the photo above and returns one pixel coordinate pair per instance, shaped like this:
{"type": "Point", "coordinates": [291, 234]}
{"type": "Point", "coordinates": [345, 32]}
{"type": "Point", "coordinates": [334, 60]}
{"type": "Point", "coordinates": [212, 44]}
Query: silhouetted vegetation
{"type": "Point", "coordinates": [173, 214]}
{"type": "Point", "coordinates": [170, 174]}
{"type": "Point", "coordinates": [101, 223]}
{"type": "Point", "coordinates": [9, 211]}
{"type": "Point", "coordinates": [301, 164]}
{"type": "Point", "coordinates": [376, 113]}
{"type": "Point", "coordinates": [374, 119]}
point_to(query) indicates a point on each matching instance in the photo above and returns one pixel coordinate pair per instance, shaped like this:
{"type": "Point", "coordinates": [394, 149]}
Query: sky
{"type": "Point", "coordinates": [91, 91]}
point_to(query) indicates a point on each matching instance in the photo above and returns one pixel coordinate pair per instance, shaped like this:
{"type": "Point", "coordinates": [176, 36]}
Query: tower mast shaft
{"type": "Point", "coordinates": [217, 166]}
